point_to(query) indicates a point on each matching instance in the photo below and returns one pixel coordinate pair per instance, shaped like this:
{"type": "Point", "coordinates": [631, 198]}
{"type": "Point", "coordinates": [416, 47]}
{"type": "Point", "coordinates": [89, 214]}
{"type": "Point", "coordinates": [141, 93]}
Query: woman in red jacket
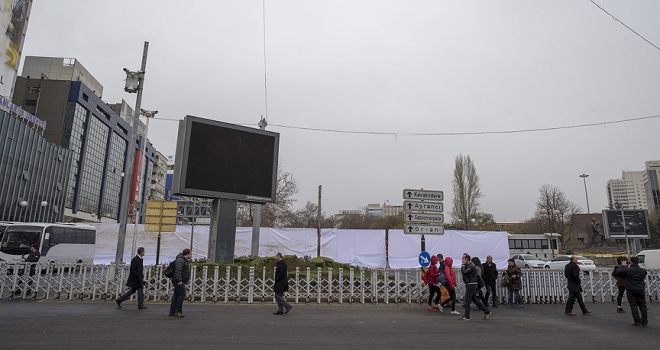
{"type": "Point", "coordinates": [451, 285]}
{"type": "Point", "coordinates": [431, 279]}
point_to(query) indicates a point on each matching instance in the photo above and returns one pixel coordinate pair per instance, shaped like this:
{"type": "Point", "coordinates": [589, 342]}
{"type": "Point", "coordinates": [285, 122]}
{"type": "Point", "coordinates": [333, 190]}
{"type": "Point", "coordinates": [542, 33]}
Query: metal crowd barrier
{"type": "Point", "coordinates": [236, 284]}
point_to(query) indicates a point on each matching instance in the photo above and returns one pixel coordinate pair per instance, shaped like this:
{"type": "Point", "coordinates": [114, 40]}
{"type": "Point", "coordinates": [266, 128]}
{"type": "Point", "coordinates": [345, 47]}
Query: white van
{"type": "Point", "coordinates": [649, 259]}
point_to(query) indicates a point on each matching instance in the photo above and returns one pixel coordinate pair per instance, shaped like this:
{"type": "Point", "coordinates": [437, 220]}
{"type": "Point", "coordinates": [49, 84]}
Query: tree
{"type": "Point", "coordinates": [555, 212]}
{"type": "Point", "coordinates": [308, 217]}
{"type": "Point", "coordinates": [273, 214]}
{"type": "Point", "coordinates": [466, 190]}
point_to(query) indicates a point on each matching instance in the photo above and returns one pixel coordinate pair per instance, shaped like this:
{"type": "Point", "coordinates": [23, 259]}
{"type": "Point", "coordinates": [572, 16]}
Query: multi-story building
{"type": "Point", "coordinates": [33, 171]}
{"type": "Point", "coordinates": [14, 17]}
{"type": "Point", "coordinates": [158, 178]}
{"type": "Point", "coordinates": [651, 185]}
{"type": "Point", "coordinates": [628, 191]}
{"type": "Point", "coordinates": [376, 210]}
{"type": "Point", "coordinates": [80, 121]}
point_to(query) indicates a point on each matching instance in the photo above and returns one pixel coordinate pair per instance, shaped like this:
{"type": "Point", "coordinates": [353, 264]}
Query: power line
{"type": "Point", "coordinates": [457, 133]}
{"type": "Point", "coordinates": [630, 29]}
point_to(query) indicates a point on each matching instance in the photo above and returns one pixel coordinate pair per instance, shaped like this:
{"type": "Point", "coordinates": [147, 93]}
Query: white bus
{"type": "Point", "coordinates": [535, 244]}
{"type": "Point", "coordinates": [58, 243]}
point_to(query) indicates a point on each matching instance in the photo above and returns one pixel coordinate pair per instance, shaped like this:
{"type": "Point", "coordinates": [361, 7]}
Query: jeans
{"type": "Point", "coordinates": [281, 302]}
{"type": "Point", "coordinates": [140, 292]}
{"type": "Point", "coordinates": [491, 289]}
{"type": "Point", "coordinates": [637, 299]}
{"type": "Point", "coordinates": [619, 297]}
{"type": "Point", "coordinates": [515, 293]}
{"type": "Point", "coordinates": [177, 299]}
{"type": "Point", "coordinates": [571, 300]}
{"type": "Point", "coordinates": [452, 298]}
{"type": "Point", "coordinates": [434, 290]}
{"type": "Point", "coordinates": [471, 296]}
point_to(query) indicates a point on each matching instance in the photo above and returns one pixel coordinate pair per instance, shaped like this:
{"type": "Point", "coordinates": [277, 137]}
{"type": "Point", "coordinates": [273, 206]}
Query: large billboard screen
{"type": "Point", "coordinates": [636, 224]}
{"type": "Point", "coordinates": [226, 161]}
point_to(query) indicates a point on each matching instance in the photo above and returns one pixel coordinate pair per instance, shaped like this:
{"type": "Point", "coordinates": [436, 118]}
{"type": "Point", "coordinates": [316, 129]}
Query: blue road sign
{"type": "Point", "coordinates": [424, 259]}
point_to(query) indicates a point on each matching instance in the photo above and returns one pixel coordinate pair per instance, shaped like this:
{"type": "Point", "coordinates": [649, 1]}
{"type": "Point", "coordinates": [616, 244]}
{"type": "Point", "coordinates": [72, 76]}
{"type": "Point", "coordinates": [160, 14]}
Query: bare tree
{"type": "Point", "coordinates": [466, 190]}
{"type": "Point", "coordinates": [273, 214]}
{"type": "Point", "coordinates": [555, 212]}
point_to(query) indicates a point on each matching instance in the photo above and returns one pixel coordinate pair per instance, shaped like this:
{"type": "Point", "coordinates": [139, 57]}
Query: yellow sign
{"type": "Point", "coordinates": [160, 216]}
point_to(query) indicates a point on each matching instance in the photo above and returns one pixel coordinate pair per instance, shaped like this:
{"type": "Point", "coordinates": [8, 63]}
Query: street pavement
{"type": "Point", "coordinates": [54, 324]}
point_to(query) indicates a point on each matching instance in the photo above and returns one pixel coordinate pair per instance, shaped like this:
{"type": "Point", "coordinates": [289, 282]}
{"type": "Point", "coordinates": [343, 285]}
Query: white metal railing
{"type": "Point", "coordinates": [236, 284]}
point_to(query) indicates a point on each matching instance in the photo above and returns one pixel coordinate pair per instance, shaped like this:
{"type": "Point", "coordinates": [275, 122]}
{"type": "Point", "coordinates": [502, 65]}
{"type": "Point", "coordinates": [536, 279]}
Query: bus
{"type": "Point", "coordinates": [58, 242]}
{"type": "Point", "coordinates": [535, 244]}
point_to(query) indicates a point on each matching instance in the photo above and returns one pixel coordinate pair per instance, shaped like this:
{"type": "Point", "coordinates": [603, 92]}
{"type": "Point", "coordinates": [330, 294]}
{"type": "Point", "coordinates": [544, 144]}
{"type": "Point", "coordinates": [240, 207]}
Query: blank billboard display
{"type": "Point", "coordinates": [636, 223]}
{"type": "Point", "coordinates": [226, 161]}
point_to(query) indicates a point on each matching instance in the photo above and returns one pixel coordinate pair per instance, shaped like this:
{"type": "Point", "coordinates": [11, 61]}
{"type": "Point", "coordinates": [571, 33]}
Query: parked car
{"type": "Point", "coordinates": [559, 262]}
{"type": "Point", "coordinates": [528, 261]}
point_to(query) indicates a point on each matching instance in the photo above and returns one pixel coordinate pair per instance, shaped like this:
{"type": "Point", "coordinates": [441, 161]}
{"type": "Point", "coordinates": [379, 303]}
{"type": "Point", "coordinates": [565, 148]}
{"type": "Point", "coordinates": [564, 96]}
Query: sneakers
{"type": "Point", "coordinates": [465, 318]}
{"type": "Point", "coordinates": [455, 313]}
{"type": "Point", "coordinates": [287, 310]}
{"type": "Point", "coordinates": [587, 312]}
{"type": "Point", "coordinates": [179, 315]}
{"type": "Point", "coordinates": [432, 309]}
{"type": "Point", "coordinates": [620, 310]}
{"type": "Point", "coordinates": [487, 315]}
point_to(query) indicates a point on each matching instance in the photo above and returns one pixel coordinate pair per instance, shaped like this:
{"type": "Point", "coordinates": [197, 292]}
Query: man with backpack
{"type": "Point", "coordinates": [180, 277]}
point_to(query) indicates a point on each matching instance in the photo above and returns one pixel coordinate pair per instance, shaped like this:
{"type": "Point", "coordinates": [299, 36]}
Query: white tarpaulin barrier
{"type": "Point", "coordinates": [404, 248]}
{"type": "Point", "coordinates": [364, 248]}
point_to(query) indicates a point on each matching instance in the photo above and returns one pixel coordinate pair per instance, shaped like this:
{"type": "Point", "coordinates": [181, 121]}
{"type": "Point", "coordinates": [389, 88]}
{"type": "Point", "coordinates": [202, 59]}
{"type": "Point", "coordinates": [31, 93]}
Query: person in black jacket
{"type": "Point", "coordinates": [135, 280]}
{"type": "Point", "coordinates": [281, 286]}
{"type": "Point", "coordinates": [489, 270]}
{"type": "Point", "coordinates": [470, 278]}
{"type": "Point", "coordinates": [572, 273]}
{"type": "Point", "coordinates": [179, 280]}
{"type": "Point", "coordinates": [33, 259]}
{"type": "Point", "coordinates": [635, 277]}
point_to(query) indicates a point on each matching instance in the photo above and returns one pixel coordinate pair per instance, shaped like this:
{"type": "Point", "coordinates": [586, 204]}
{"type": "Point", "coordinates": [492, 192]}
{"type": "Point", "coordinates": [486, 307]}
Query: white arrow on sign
{"type": "Point", "coordinates": [424, 229]}
{"type": "Point", "coordinates": [422, 194]}
{"type": "Point", "coordinates": [423, 218]}
{"type": "Point", "coordinates": [423, 206]}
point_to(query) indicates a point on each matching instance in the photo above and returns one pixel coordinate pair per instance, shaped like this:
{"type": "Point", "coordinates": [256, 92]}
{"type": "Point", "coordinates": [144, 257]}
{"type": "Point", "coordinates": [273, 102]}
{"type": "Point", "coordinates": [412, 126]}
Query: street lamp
{"type": "Point", "coordinates": [143, 148]}
{"type": "Point", "coordinates": [586, 194]}
{"type": "Point", "coordinates": [460, 221]}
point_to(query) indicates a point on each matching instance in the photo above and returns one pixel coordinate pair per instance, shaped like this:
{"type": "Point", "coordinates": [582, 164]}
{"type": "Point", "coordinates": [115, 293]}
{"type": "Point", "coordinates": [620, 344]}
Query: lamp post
{"type": "Point", "coordinates": [586, 194]}
{"type": "Point", "coordinates": [134, 83]}
{"type": "Point", "coordinates": [23, 203]}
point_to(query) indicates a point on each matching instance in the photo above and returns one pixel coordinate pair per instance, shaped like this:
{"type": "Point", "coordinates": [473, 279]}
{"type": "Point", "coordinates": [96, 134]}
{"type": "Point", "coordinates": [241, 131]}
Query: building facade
{"type": "Point", "coordinates": [80, 121]}
{"type": "Point", "coordinates": [651, 185]}
{"type": "Point", "coordinates": [628, 191]}
{"type": "Point", "coordinates": [14, 17]}
{"type": "Point", "coordinates": [33, 171]}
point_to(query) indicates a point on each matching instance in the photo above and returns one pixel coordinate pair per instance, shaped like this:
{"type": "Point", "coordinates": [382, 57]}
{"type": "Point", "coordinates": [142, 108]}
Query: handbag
{"type": "Point", "coordinates": [480, 282]}
{"type": "Point", "coordinates": [505, 280]}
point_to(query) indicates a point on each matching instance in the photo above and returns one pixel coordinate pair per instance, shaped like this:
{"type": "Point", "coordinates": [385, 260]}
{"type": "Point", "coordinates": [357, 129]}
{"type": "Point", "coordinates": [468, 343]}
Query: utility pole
{"type": "Point", "coordinates": [134, 83]}
{"type": "Point", "coordinates": [256, 218]}
{"type": "Point", "coordinates": [318, 221]}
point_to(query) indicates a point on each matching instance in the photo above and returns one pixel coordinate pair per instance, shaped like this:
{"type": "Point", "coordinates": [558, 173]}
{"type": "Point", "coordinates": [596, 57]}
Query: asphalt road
{"type": "Point", "coordinates": [100, 325]}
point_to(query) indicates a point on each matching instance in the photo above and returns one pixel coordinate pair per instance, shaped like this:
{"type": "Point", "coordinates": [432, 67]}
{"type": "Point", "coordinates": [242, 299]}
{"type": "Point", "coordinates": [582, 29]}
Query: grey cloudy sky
{"type": "Point", "coordinates": [399, 68]}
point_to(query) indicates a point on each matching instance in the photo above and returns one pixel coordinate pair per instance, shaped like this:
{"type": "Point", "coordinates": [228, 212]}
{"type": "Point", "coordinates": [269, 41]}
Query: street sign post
{"type": "Point", "coordinates": [422, 194]}
{"type": "Point", "coordinates": [424, 229]}
{"type": "Point", "coordinates": [424, 259]}
{"type": "Point", "coordinates": [437, 207]}
{"type": "Point", "coordinates": [423, 218]}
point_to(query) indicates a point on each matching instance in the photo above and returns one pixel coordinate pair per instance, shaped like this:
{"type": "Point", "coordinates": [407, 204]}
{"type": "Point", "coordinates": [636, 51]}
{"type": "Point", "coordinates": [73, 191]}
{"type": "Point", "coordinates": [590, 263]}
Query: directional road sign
{"type": "Point", "coordinates": [424, 229]}
{"type": "Point", "coordinates": [423, 218]}
{"type": "Point", "coordinates": [423, 206]}
{"type": "Point", "coordinates": [424, 259]}
{"type": "Point", "coordinates": [422, 194]}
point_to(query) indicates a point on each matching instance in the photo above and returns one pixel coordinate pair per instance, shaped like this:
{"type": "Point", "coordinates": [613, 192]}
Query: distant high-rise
{"type": "Point", "coordinates": [14, 16]}
{"type": "Point", "coordinates": [651, 186]}
{"type": "Point", "coordinates": [628, 191]}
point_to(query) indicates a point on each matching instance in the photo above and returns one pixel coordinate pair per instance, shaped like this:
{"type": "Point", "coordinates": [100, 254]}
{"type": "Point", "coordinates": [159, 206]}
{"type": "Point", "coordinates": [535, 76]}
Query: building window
{"type": "Point", "coordinates": [33, 90]}
{"type": "Point", "coordinates": [31, 103]}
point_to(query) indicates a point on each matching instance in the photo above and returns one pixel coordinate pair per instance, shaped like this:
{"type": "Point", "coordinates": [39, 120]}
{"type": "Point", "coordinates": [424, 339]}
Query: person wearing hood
{"type": "Point", "coordinates": [431, 279]}
{"type": "Point", "coordinates": [451, 286]}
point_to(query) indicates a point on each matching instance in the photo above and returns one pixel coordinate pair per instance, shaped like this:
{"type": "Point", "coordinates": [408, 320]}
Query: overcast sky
{"type": "Point", "coordinates": [393, 70]}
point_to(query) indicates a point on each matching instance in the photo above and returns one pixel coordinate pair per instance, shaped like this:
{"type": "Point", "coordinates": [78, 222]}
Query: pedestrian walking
{"type": "Point", "coordinates": [480, 280]}
{"type": "Point", "coordinates": [32, 259]}
{"type": "Point", "coordinates": [514, 275]}
{"type": "Point", "coordinates": [281, 286]}
{"type": "Point", "coordinates": [635, 278]}
{"type": "Point", "coordinates": [179, 279]}
{"type": "Point", "coordinates": [621, 261]}
{"type": "Point", "coordinates": [490, 280]}
{"type": "Point", "coordinates": [450, 285]}
{"type": "Point", "coordinates": [574, 284]}
{"type": "Point", "coordinates": [469, 272]}
{"type": "Point", "coordinates": [431, 279]}
{"type": "Point", "coordinates": [135, 280]}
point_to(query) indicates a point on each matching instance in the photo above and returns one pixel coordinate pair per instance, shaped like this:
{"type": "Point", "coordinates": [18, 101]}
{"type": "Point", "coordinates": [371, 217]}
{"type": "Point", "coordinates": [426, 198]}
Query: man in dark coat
{"type": "Point", "coordinates": [179, 280]}
{"type": "Point", "coordinates": [572, 273]}
{"type": "Point", "coordinates": [281, 286]}
{"type": "Point", "coordinates": [135, 280]}
{"type": "Point", "coordinates": [33, 259]}
{"type": "Point", "coordinates": [490, 279]}
{"type": "Point", "coordinates": [635, 277]}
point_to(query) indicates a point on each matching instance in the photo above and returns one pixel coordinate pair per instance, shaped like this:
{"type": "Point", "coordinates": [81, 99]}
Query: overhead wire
{"type": "Point", "coordinates": [630, 29]}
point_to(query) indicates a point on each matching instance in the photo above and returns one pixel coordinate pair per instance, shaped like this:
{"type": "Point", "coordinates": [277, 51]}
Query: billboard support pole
{"type": "Point", "coordinates": [623, 221]}
{"type": "Point", "coordinates": [256, 218]}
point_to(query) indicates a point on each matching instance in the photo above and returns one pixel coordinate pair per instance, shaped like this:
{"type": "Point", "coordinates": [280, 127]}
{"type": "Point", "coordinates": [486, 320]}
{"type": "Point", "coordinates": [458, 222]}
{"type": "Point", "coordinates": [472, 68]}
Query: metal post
{"type": "Point", "coordinates": [141, 176]}
{"type": "Point", "coordinates": [192, 230]}
{"type": "Point", "coordinates": [623, 223]}
{"type": "Point", "coordinates": [423, 243]}
{"type": "Point", "coordinates": [130, 157]}
{"type": "Point", "coordinates": [256, 218]}
{"type": "Point", "coordinates": [586, 194]}
{"type": "Point", "coordinates": [318, 232]}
